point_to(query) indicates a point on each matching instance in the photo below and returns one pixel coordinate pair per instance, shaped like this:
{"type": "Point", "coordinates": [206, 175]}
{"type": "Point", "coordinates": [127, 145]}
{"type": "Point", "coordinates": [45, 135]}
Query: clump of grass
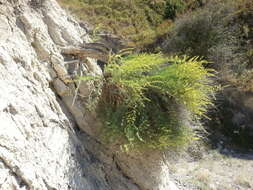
{"type": "Point", "coordinates": [145, 97]}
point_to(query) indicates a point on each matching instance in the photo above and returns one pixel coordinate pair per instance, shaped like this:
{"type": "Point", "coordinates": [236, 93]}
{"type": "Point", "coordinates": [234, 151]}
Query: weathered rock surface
{"type": "Point", "coordinates": [41, 107]}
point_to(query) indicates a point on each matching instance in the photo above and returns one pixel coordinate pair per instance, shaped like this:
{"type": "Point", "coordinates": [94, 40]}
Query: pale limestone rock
{"type": "Point", "coordinates": [40, 145]}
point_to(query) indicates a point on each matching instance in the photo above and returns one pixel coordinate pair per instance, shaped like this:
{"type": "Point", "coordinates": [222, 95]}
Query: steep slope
{"type": "Point", "coordinates": [39, 148]}
{"type": "Point", "coordinates": [40, 144]}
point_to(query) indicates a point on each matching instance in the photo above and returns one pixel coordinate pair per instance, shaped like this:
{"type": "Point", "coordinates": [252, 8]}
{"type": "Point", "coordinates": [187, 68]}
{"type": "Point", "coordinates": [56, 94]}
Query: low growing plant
{"type": "Point", "coordinates": [147, 100]}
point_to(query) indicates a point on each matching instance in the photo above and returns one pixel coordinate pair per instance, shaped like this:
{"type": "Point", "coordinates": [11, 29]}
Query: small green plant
{"type": "Point", "coordinates": [172, 8]}
{"type": "Point", "coordinates": [147, 100]}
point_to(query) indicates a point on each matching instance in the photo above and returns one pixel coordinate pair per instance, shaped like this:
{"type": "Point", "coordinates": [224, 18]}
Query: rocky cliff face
{"type": "Point", "coordinates": [41, 110]}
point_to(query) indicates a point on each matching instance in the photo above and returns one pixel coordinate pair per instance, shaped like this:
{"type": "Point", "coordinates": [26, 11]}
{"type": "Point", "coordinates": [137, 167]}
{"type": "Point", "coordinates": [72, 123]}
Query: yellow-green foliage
{"type": "Point", "coordinates": [144, 96]}
{"type": "Point", "coordinates": [188, 82]}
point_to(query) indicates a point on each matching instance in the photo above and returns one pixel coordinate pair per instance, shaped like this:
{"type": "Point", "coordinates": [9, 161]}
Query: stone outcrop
{"type": "Point", "coordinates": [42, 109]}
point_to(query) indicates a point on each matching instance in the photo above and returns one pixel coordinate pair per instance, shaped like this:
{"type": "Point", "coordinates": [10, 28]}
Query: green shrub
{"type": "Point", "coordinates": [219, 32]}
{"type": "Point", "coordinates": [194, 34]}
{"type": "Point", "coordinates": [172, 8]}
{"type": "Point", "coordinates": [147, 100]}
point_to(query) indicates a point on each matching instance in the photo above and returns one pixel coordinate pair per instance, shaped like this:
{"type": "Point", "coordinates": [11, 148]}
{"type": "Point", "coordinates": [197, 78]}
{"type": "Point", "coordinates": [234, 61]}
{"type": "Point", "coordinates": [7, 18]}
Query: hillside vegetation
{"type": "Point", "coordinates": [139, 21]}
{"type": "Point", "coordinates": [222, 33]}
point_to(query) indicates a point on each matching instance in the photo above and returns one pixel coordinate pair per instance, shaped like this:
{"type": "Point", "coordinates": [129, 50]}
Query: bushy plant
{"type": "Point", "coordinates": [219, 32]}
{"type": "Point", "coordinates": [172, 8]}
{"type": "Point", "coordinates": [145, 96]}
{"type": "Point", "coordinates": [195, 33]}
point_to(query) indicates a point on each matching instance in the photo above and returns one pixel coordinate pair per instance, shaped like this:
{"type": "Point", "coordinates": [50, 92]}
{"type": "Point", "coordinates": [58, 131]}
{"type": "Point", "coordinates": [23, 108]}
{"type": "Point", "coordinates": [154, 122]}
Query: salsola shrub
{"type": "Point", "coordinates": [144, 97]}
